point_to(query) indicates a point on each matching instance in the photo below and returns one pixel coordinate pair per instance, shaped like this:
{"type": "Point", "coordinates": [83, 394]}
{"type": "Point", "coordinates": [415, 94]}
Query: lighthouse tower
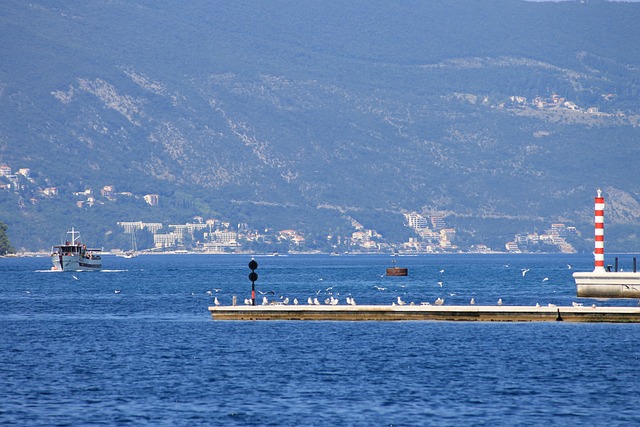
{"type": "Point", "coordinates": [599, 234]}
{"type": "Point", "coordinates": [601, 283]}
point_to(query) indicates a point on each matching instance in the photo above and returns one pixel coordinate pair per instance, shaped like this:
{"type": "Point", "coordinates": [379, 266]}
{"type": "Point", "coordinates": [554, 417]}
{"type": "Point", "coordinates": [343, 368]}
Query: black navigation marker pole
{"type": "Point", "coordinates": [253, 276]}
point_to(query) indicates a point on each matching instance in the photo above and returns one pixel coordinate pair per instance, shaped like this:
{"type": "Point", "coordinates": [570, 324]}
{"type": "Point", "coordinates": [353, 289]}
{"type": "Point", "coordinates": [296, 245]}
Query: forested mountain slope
{"type": "Point", "coordinates": [504, 115]}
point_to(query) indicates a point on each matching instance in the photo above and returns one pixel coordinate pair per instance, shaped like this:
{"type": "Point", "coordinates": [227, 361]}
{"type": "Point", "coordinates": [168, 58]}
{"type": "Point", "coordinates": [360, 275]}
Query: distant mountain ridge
{"type": "Point", "coordinates": [506, 115]}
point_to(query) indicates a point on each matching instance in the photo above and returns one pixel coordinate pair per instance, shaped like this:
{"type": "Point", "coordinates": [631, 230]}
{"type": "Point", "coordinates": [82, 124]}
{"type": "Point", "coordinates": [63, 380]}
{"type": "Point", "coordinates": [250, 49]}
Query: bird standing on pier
{"type": "Point", "coordinates": [400, 302]}
{"type": "Point", "coordinates": [499, 301]}
{"type": "Point", "coordinates": [472, 302]}
{"type": "Point", "coordinates": [215, 301]}
{"type": "Point", "coordinates": [265, 301]}
{"type": "Point", "coordinates": [439, 301]}
{"type": "Point", "coordinates": [309, 301]}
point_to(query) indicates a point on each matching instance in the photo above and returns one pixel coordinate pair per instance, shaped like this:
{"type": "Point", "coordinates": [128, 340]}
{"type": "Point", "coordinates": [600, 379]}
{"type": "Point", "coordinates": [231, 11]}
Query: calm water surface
{"type": "Point", "coordinates": [73, 351]}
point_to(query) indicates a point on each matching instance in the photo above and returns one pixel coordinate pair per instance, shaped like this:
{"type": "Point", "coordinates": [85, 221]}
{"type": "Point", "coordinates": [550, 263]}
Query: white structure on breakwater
{"type": "Point", "coordinates": [602, 282]}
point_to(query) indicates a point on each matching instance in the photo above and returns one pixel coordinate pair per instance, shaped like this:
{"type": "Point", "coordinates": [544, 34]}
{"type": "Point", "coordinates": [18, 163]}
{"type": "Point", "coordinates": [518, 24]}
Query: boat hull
{"type": "Point", "coordinates": [607, 284]}
{"type": "Point", "coordinates": [397, 271]}
{"type": "Point", "coordinates": [75, 263]}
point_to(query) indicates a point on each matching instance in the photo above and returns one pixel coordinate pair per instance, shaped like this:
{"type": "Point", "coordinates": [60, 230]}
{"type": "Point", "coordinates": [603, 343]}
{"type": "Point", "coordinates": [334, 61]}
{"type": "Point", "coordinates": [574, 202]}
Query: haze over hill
{"type": "Point", "coordinates": [505, 116]}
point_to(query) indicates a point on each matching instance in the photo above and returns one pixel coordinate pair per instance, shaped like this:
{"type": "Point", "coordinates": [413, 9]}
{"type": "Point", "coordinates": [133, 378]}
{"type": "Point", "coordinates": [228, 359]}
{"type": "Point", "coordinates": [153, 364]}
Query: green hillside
{"type": "Point", "coordinates": [504, 116]}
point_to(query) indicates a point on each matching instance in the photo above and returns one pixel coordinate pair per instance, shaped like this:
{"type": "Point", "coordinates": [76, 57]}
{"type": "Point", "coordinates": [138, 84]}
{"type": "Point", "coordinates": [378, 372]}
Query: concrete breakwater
{"type": "Point", "coordinates": [428, 312]}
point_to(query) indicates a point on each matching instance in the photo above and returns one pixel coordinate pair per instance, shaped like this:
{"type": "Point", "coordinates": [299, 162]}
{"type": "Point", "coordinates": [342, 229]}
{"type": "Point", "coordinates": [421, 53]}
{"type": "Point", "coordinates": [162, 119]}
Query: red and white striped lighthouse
{"type": "Point", "coordinates": [599, 233]}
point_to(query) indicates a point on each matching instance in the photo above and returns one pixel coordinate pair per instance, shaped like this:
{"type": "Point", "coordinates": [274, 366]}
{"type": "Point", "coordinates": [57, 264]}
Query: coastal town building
{"type": "Point", "coordinates": [108, 191]}
{"type": "Point", "coordinates": [151, 199]}
{"type": "Point", "coordinates": [132, 226]}
{"type": "Point", "coordinates": [415, 221]}
{"type": "Point", "coordinates": [168, 240]}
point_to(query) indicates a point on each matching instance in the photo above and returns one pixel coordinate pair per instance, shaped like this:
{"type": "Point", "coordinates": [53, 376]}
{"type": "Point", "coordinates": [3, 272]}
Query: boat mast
{"type": "Point", "coordinates": [73, 233]}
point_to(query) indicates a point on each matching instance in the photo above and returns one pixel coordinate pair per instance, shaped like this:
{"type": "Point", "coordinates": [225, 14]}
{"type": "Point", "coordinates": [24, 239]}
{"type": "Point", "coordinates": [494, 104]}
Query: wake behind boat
{"type": "Point", "coordinates": [75, 256]}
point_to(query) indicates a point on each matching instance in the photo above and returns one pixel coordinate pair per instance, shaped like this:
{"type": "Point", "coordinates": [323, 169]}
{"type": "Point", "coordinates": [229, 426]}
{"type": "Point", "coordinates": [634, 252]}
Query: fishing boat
{"type": "Point", "coordinates": [75, 256]}
{"type": "Point", "coordinates": [606, 282]}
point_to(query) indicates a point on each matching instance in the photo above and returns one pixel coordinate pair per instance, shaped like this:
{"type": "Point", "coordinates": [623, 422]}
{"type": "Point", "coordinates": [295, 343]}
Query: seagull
{"type": "Point", "coordinates": [537, 304]}
{"type": "Point", "coordinates": [316, 302]}
{"type": "Point", "coordinates": [209, 293]}
{"type": "Point", "coordinates": [217, 290]}
{"type": "Point", "coordinates": [328, 289]}
{"type": "Point", "coordinates": [440, 284]}
{"type": "Point", "coordinates": [309, 301]}
{"type": "Point", "coordinates": [267, 293]}
{"type": "Point", "coordinates": [472, 302]}
{"type": "Point", "coordinates": [569, 266]}
{"type": "Point", "coordinates": [215, 301]}
{"type": "Point", "coordinates": [552, 305]}
{"type": "Point", "coordinates": [117, 291]}
{"type": "Point", "coordinates": [524, 271]}
{"type": "Point", "coordinates": [295, 301]}
{"type": "Point", "coordinates": [327, 301]}
{"type": "Point", "coordinates": [576, 304]}
{"type": "Point", "coordinates": [380, 288]}
{"type": "Point", "coordinates": [247, 301]}
{"type": "Point", "coordinates": [400, 302]}
{"type": "Point", "coordinates": [265, 301]}
{"type": "Point", "coordinates": [499, 301]}
{"type": "Point", "coordinates": [439, 301]}
{"type": "Point", "coordinates": [442, 271]}
{"type": "Point", "coordinates": [334, 301]}
{"type": "Point", "coordinates": [74, 277]}
{"type": "Point", "coordinates": [593, 306]}
{"type": "Point", "coordinates": [286, 301]}
{"type": "Point", "coordinates": [545, 279]}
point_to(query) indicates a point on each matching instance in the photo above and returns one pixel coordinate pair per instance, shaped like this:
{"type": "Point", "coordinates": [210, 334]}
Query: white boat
{"type": "Point", "coordinates": [75, 256]}
{"type": "Point", "coordinates": [601, 282]}
{"type": "Point", "coordinates": [134, 247]}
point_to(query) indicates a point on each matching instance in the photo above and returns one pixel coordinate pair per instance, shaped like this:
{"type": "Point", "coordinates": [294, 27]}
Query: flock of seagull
{"type": "Point", "coordinates": [331, 300]}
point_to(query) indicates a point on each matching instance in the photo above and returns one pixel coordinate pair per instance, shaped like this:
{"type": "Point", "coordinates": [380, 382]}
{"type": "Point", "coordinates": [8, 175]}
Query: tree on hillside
{"type": "Point", "coordinates": [5, 244]}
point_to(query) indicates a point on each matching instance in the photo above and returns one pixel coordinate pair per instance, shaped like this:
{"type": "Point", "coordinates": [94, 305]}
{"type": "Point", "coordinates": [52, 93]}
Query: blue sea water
{"type": "Point", "coordinates": [73, 351]}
